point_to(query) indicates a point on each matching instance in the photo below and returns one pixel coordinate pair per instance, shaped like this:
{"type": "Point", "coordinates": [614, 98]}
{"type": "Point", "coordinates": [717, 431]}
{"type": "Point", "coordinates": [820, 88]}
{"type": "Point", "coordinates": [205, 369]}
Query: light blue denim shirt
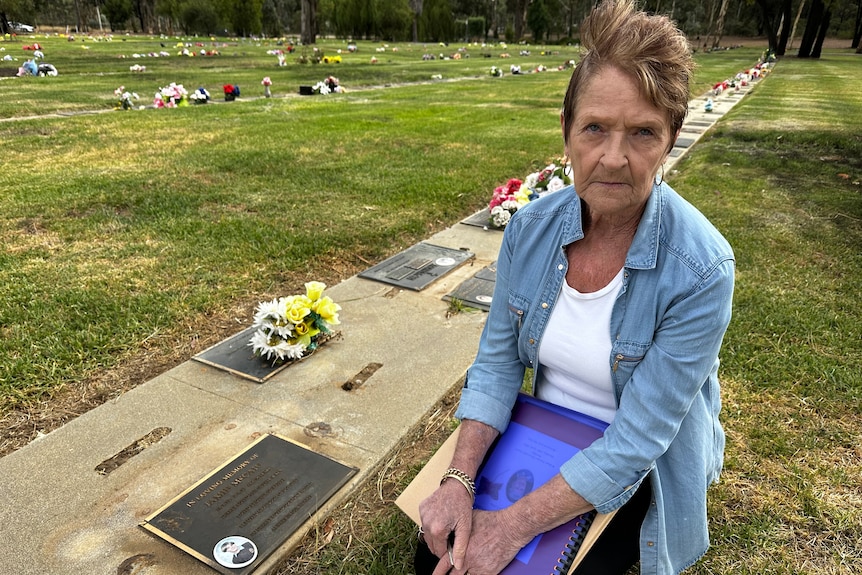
{"type": "Point", "coordinates": [667, 326]}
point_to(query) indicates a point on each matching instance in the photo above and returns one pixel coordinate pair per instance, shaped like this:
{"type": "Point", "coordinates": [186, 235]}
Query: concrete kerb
{"type": "Point", "coordinates": [70, 519]}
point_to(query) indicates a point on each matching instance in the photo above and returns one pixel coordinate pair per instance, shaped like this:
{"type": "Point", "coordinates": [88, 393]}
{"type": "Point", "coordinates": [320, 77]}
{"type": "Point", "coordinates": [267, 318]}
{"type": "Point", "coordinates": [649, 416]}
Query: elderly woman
{"type": "Point", "coordinates": [617, 293]}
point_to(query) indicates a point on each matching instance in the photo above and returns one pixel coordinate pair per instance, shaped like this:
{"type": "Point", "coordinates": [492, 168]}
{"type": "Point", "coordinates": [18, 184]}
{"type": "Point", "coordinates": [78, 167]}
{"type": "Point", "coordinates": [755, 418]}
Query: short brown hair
{"type": "Point", "coordinates": [649, 48]}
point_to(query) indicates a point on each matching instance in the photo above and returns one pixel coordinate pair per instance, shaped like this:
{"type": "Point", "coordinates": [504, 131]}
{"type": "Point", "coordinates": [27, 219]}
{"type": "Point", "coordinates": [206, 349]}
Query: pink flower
{"type": "Point", "coordinates": [266, 81]}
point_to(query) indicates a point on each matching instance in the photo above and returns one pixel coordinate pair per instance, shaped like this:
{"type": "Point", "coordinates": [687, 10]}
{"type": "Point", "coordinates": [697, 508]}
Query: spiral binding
{"type": "Point", "coordinates": [579, 531]}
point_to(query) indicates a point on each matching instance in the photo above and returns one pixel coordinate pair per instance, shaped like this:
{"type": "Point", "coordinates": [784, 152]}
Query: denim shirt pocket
{"type": "Point", "coordinates": [518, 306]}
{"type": "Point", "coordinates": [625, 357]}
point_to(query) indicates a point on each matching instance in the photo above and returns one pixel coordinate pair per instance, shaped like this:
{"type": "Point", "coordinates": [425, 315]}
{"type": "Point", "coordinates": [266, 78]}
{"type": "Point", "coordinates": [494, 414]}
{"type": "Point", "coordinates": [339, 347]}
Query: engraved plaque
{"type": "Point", "coordinates": [481, 219]}
{"type": "Point", "coordinates": [236, 516]}
{"type": "Point", "coordinates": [236, 356]}
{"type": "Point", "coordinates": [478, 290]}
{"type": "Point", "coordinates": [684, 142]}
{"type": "Point", "coordinates": [417, 266]}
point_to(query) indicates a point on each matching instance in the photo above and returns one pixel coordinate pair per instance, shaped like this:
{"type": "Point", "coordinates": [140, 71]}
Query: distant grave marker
{"type": "Point", "coordinates": [239, 514]}
{"type": "Point", "coordinates": [417, 266]}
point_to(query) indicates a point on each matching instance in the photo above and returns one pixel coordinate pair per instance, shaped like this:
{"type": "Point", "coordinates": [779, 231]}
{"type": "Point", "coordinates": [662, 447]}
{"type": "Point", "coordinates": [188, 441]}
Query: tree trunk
{"type": "Point", "coordinates": [821, 35]}
{"type": "Point", "coordinates": [812, 26]}
{"type": "Point", "coordinates": [719, 32]}
{"type": "Point", "coordinates": [787, 12]}
{"type": "Point", "coordinates": [308, 28]}
{"type": "Point", "coordinates": [857, 34]}
{"type": "Point", "coordinates": [769, 27]}
{"type": "Point", "coordinates": [796, 23]}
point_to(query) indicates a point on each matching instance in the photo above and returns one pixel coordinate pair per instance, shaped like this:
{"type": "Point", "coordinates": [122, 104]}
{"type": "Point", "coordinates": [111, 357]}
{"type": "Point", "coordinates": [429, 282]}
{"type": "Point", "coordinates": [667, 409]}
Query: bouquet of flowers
{"type": "Point", "coordinates": [125, 97]}
{"type": "Point", "coordinates": [515, 194]}
{"type": "Point", "coordinates": [266, 83]}
{"type": "Point", "coordinates": [496, 72]}
{"type": "Point", "coordinates": [231, 92]}
{"type": "Point", "coordinates": [288, 328]}
{"type": "Point", "coordinates": [200, 96]}
{"type": "Point", "coordinates": [171, 96]}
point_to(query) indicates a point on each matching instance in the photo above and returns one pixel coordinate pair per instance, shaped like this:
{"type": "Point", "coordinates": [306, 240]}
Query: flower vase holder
{"type": "Point", "coordinates": [229, 97]}
{"type": "Point", "coordinates": [306, 91]}
{"type": "Point", "coordinates": [266, 92]}
{"type": "Point", "coordinates": [234, 356]}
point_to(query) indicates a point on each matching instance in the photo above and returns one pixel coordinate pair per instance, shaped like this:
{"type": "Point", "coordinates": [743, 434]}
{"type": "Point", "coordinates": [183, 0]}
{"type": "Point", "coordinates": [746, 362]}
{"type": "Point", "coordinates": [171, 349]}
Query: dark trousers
{"type": "Point", "coordinates": [615, 551]}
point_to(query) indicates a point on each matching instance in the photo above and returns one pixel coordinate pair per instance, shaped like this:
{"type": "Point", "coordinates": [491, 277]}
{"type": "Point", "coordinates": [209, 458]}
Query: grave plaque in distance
{"type": "Point", "coordinates": [417, 266]}
{"type": "Point", "coordinates": [239, 514]}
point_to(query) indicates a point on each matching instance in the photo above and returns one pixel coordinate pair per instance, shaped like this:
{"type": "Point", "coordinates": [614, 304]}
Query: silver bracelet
{"type": "Point", "coordinates": [462, 478]}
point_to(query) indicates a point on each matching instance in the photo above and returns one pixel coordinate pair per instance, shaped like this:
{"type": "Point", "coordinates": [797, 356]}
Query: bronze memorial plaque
{"type": "Point", "coordinates": [478, 290]}
{"type": "Point", "coordinates": [417, 266]}
{"type": "Point", "coordinates": [236, 516]}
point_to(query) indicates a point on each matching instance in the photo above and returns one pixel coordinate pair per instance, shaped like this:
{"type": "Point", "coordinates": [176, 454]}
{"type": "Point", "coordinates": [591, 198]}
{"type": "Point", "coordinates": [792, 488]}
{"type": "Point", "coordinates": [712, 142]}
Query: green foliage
{"type": "Point", "coordinates": [436, 24]}
{"type": "Point", "coordinates": [117, 12]}
{"type": "Point", "coordinates": [538, 19]}
{"type": "Point", "coordinates": [198, 17]}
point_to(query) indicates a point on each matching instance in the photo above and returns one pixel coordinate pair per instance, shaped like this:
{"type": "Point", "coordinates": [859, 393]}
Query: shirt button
{"type": "Point", "coordinates": [544, 306]}
{"type": "Point", "coordinates": [532, 341]}
{"type": "Point", "coordinates": [650, 544]}
{"type": "Point", "coordinates": [560, 267]}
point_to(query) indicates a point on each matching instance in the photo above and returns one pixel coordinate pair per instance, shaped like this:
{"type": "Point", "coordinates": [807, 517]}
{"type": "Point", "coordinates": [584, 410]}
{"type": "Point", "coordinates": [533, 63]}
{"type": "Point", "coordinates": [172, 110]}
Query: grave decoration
{"type": "Point", "coordinates": [515, 193]}
{"type": "Point", "coordinates": [266, 83]}
{"type": "Point", "coordinates": [171, 96]}
{"type": "Point", "coordinates": [125, 98]}
{"type": "Point", "coordinates": [231, 92]}
{"type": "Point", "coordinates": [327, 86]}
{"type": "Point", "coordinates": [200, 96]}
{"type": "Point", "coordinates": [289, 328]}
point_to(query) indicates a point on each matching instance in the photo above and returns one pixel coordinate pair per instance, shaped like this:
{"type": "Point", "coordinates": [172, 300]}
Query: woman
{"type": "Point", "coordinates": [618, 293]}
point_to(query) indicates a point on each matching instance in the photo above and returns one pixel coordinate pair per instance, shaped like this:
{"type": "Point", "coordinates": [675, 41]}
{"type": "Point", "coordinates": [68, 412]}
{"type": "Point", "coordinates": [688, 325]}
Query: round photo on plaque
{"type": "Point", "coordinates": [483, 298]}
{"type": "Point", "coordinates": [444, 262]}
{"type": "Point", "coordinates": [235, 552]}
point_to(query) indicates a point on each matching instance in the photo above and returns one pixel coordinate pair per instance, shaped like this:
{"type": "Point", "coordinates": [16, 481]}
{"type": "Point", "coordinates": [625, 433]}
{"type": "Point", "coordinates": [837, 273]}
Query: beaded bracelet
{"type": "Point", "coordinates": [462, 478]}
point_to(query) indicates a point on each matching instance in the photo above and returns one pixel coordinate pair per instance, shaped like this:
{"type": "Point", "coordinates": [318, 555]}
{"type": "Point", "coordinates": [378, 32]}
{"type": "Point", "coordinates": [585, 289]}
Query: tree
{"type": "Point", "coordinates": [198, 17]}
{"type": "Point", "coordinates": [308, 22]}
{"type": "Point", "coordinates": [437, 22]}
{"type": "Point", "coordinates": [538, 20]}
{"type": "Point", "coordinates": [857, 28]}
{"type": "Point", "coordinates": [819, 15]}
{"type": "Point", "coordinates": [246, 17]}
{"type": "Point", "coordinates": [117, 12]}
{"type": "Point", "coordinates": [395, 17]}
{"type": "Point", "coordinates": [20, 10]}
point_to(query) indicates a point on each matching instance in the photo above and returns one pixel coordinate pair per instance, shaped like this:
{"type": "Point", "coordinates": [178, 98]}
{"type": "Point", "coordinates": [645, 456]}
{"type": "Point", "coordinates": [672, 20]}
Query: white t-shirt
{"type": "Point", "coordinates": [575, 349]}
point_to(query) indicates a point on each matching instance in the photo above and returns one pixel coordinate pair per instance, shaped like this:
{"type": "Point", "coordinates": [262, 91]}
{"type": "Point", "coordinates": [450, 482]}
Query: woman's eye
{"type": "Point", "coordinates": [645, 132]}
{"type": "Point", "coordinates": [593, 128]}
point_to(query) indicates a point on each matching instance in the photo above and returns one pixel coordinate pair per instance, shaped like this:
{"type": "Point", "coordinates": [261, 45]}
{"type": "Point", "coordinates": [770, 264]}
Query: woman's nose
{"type": "Point", "coordinates": [615, 151]}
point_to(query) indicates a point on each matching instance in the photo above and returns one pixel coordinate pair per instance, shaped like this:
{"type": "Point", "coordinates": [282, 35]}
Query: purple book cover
{"type": "Point", "coordinates": [540, 438]}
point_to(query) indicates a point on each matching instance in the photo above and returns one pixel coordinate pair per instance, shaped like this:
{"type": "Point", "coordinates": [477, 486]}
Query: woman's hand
{"type": "Point", "coordinates": [493, 544]}
{"type": "Point", "coordinates": [446, 511]}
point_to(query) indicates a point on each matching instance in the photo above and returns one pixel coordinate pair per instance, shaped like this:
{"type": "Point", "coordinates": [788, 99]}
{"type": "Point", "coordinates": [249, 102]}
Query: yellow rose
{"type": "Point", "coordinates": [327, 310]}
{"type": "Point", "coordinates": [314, 290]}
{"type": "Point", "coordinates": [297, 312]}
{"type": "Point", "coordinates": [301, 329]}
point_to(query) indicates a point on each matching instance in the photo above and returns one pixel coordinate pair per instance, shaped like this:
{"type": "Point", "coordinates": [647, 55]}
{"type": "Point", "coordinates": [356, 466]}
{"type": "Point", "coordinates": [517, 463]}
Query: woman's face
{"type": "Point", "coordinates": [617, 143]}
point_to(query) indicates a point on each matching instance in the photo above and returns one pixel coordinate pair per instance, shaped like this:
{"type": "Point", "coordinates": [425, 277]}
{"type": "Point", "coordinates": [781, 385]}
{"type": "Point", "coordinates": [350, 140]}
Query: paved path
{"type": "Point", "coordinates": [61, 517]}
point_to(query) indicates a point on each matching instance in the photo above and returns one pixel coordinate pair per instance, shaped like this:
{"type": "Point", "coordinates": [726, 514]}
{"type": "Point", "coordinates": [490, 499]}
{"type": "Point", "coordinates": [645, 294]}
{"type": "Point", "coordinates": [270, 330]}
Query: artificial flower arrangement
{"type": "Point", "coordinates": [200, 96]}
{"type": "Point", "coordinates": [171, 96]}
{"type": "Point", "coordinates": [231, 92]}
{"type": "Point", "coordinates": [266, 83]}
{"type": "Point", "coordinates": [327, 86]}
{"type": "Point", "coordinates": [291, 327]}
{"type": "Point", "coordinates": [496, 72]}
{"type": "Point", "coordinates": [515, 193]}
{"type": "Point", "coordinates": [125, 98]}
